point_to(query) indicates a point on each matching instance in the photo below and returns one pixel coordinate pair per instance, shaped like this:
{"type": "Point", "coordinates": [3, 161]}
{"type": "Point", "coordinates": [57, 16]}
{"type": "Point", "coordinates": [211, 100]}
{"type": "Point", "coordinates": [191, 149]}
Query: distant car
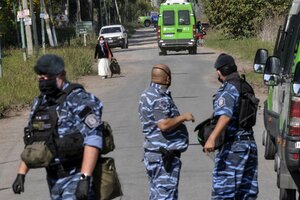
{"type": "Point", "coordinates": [115, 35]}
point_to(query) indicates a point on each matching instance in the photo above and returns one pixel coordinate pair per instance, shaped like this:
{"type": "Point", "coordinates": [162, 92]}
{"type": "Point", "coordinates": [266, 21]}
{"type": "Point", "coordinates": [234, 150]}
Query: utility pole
{"type": "Point", "coordinates": [42, 16]}
{"type": "Point", "coordinates": [35, 37]}
{"type": "Point", "coordinates": [28, 29]}
{"type": "Point", "coordinates": [22, 33]}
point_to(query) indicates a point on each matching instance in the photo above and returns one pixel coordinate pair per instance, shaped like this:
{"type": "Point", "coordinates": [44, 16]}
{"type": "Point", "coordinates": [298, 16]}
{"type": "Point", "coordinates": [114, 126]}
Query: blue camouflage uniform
{"type": "Point", "coordinates": [68, 122]}
{"type": "Point", "coordinates": [156, 104]}
{"type": "Point", "coordinates": [235, 171]}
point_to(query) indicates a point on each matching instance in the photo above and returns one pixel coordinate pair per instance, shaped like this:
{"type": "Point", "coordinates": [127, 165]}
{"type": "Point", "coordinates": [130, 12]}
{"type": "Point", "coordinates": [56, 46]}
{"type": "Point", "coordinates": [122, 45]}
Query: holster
{"type": "Point", "coordinates": [167, 157]}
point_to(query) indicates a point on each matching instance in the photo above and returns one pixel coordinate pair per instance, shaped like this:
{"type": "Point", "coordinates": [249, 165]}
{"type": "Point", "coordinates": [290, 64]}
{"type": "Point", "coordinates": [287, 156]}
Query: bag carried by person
{"type": "Point", "coordinates": [37, 155]}
{"type": "Point", "coordinates": [106, 180]}
{"type": "Point", "coordinates": [205, 128]}
{"type": "Point", "coordinates": [114, 67]}
{"type": "Point", "coordinates": [108, 139]}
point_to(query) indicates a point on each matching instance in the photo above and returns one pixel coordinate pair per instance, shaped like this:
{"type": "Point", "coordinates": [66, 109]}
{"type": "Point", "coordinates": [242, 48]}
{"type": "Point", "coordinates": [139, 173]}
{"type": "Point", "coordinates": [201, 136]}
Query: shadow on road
{"type": "Point", "coordinates": [134, 49]}
{"type": "Point", "coordinates": [1, 163]}
{"type": "Point", "coordinates": [6, 188]}
{"type": "Point", "coordinates": [188, 97]}
{"type": "Point", "coordinates": [186, 53]}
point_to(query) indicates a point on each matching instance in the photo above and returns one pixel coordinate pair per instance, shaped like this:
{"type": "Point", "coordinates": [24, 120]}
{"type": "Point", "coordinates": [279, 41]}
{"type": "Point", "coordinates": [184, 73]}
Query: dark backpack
{"type": "Point", "coordinates": [248, 103]}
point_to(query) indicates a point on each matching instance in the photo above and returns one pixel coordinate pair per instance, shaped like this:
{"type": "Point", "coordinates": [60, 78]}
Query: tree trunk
{"type": "Point", "coordinates": [91, 16]}
{"type": "Point", "coordinates": [48, 29]}
{"type": "Point", "coordinates": [105, 14]}
{"type": "Point", "coordinates": [78, 14]}
{"type": "Point", "coordinates": [117, 8]}
{"type": "Point", "coordinates": [53, 28]}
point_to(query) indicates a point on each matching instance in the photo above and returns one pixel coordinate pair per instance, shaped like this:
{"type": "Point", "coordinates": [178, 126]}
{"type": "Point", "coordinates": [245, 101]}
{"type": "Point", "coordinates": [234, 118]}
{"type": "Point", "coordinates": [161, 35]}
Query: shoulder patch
{"type": "Point", "coordinates": [91, 121]}
{"type": "Point", "coordinates": [163, 105]}
{"type": "Point", "coordinates": [221, 101]}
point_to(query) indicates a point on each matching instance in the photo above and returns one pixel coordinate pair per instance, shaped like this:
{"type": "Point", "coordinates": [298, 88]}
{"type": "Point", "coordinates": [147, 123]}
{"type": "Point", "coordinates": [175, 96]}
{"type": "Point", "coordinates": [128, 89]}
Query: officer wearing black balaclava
{"type": "Point", "coordinates": [48, 68]}
{"type": "Point", "coordinates": [67, 119]}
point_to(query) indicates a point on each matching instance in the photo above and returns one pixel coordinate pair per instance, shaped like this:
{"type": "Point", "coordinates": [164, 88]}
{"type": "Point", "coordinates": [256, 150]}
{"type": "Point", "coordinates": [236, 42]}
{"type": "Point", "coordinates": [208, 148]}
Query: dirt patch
{"type": "Point", "coordinates": [15, 110]}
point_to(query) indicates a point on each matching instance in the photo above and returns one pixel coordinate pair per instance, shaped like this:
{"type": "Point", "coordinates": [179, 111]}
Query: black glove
{"type": "Point", "coordinates": [83, 187]}
{"type": "Point", "coordinates": [18, 185]}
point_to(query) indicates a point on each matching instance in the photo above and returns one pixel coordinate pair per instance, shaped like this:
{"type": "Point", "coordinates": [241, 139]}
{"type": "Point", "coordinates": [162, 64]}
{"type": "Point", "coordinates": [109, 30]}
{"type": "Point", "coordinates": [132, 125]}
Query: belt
{"type": "Point", "coordinates": [59, 171]}
{"type": "Point", "coordinates": [175, 152]}
{"type": "Point", "coordinates": [240, 138]}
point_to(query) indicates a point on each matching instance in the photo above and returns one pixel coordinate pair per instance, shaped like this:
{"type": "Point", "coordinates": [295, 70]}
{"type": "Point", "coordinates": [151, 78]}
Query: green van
{"type": "Point", "coordinates": [176, 29]}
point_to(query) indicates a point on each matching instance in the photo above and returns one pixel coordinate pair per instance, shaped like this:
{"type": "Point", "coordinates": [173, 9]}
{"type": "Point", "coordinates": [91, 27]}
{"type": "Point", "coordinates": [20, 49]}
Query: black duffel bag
{"type": "Point", "coordinates": [205, 128]}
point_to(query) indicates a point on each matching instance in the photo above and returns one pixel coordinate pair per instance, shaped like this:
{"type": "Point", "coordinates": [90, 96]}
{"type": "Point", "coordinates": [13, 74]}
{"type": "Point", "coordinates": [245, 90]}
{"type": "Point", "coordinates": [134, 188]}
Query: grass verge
{"type": "Point", "coordinates": [243, 49]}
{"type": "Point", "coordinates": [18, 85]}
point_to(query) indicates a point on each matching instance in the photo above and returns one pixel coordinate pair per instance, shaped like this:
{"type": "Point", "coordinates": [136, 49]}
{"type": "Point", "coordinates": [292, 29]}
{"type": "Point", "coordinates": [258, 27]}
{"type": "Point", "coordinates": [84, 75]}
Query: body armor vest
{"type": "Point", "coordinates": [43, 127]}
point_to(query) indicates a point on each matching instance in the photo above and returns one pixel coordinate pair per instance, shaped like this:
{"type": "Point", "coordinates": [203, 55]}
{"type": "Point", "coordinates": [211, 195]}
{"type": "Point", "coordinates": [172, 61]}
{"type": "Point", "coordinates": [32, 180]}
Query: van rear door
{"type": "Point", "coordinates": [177, 24]}
{"type": "Point", "coordinates": [184, 28]}
{"type": "Point", "coordinates": [169, 27]}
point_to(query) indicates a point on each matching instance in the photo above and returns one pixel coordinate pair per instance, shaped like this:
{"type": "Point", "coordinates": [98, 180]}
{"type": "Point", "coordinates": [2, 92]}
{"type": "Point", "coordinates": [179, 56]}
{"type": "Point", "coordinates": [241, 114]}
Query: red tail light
{"type": "Point", "coordinates": [194, 31]}
{"type": "Point", "coordinates": [294, 128]}
{"type": "Point", "coordinates": [295, 156]}
{"type": "Point", "coordinates": [158, 32]}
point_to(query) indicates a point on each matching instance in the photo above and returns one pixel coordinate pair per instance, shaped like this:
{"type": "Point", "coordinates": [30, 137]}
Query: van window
{"type": "Point", "coordinates": [168, 17]}
{"type": "Point", "coordinates": [183, 17]}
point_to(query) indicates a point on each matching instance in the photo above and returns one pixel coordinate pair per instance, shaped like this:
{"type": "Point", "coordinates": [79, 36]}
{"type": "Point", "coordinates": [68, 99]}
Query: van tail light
{"type": "Point", "coordinates": [158, 32]}
{"type": "Point", "coordinates": [194, 31]}
{"type": "Point", "coordinates": [294, 124]}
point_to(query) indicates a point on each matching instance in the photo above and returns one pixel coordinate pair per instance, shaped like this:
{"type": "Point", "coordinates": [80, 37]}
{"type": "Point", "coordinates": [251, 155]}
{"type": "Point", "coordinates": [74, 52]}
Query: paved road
{"type": "Point", "coordinates": [193, 84]}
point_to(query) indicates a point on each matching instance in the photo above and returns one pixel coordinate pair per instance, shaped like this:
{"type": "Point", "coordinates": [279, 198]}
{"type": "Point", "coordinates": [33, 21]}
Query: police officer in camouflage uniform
{"type": "Point", "coordinates": [78, 115]}
{"type": "Point", "coordinates": [166, 136]}
{"type": "Point", "coordinates": [235, 171]}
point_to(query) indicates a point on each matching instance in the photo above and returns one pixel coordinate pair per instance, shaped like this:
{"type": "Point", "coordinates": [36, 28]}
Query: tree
{"type": "Point", "coordinates": [242, 18]}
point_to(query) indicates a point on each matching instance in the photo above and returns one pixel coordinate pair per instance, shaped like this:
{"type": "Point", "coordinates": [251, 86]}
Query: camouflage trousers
{"type": "Point", "coordinates": [65, 188]}
{"type": "Point", "coordinates": [163, 185]}
{"type": "Point", "coordinates": [235, 172]}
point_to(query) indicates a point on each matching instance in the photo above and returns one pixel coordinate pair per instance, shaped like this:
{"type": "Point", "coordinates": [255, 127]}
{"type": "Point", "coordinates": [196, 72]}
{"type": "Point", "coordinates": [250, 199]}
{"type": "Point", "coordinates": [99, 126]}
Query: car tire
{"type": "Point", "coordinates": [287, 194]}
{"type": "Point", "coordinates": [147, 23]}
{"type": "Point", "coordinates": [195, 50]}
{"type": "Point", "coordinates": [270, 148]}
{"type": "Point", "coordinates": [162, 53]}
{"type": "Point", "coordinates": [123, 44]}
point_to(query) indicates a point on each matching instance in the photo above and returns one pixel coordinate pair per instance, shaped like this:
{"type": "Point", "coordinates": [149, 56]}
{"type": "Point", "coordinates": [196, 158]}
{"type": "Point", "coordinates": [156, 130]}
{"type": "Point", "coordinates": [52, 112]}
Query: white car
{"type": "Point", "coordinates": [115, 35]}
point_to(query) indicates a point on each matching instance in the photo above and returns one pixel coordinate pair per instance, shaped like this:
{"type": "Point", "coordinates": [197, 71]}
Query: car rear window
{"type": "Point", "coordinates": [168, 17]}
{"type": "Point", "coordinates": [184, 17]}
{"type": "Point", "coordinates": [111, 30]}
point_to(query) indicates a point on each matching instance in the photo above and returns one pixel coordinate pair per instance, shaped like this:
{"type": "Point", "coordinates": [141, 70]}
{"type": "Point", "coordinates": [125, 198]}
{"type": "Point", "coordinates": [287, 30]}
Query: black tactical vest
{"type": "Point", "coordinates": [43, 127]}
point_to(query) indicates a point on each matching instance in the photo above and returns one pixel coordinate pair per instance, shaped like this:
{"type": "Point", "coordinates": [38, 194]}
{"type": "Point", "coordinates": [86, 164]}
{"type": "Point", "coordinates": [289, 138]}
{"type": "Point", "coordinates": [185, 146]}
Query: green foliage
{"type": "Point", "coordinates": [18, 85]}
{"type": "Point", "coordinates": [242, 18]}
{"type": "Point", "coordinates": [141, 8]}
{"type": "Point", "coordinates": [243, 48]}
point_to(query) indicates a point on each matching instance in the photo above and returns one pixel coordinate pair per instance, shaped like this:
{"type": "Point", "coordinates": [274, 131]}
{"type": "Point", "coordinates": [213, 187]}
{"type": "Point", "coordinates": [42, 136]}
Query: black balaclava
{"type": "Point", "coordinates": [49, 87]}
{"type": "Point", "coordinates": [50, 65]}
